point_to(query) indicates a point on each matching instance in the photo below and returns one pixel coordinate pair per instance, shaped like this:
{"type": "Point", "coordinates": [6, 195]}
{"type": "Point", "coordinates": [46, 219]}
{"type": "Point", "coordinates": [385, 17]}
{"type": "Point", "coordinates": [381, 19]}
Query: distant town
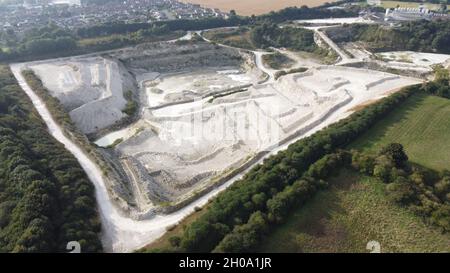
{"type": "Point", "coordinates": [75, 13]}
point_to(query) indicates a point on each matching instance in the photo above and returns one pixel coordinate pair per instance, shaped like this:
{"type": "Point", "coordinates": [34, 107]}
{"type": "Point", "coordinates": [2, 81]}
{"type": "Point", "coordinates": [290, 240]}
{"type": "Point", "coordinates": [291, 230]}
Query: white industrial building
{"type": "Point", "coordinates": [411, 14]}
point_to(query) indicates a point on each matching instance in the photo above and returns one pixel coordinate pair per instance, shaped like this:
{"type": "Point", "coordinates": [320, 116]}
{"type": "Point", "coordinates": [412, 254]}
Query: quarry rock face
{"type": "Point", "coordinates": [90, 89]}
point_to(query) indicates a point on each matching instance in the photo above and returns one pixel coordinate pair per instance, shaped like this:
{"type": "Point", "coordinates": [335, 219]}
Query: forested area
{"type": "Point", "coordinates": [52, 41]}
{"type": "Point", "coordinates": [264, 36]}
{"type": "Point", "coordinates": [425, 36]}
{"type": "Point", "coordinates": [46, 199]}
{"type": "Point", "coordinates": [271, 35]}
{"type": "Point", "coordinates": [238, 218]}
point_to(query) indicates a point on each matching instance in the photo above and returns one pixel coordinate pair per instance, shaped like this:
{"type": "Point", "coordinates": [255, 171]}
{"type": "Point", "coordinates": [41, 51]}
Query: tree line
{"type": "Point", "coordinates": [291, 13]}
{"type": "Point", "coordinates": [271, 35]}
{"type": "Point", "coordinates": [425, 36]}
{"type": "Point", "coordinates": [53, 41]}
{"type": "Point", "coordinates": [266, 35]}
{"type": "Point", "coordinates": [46, 199]}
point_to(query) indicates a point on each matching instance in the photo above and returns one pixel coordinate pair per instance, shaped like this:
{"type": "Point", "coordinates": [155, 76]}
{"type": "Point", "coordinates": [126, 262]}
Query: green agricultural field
{"type": "Point", "coordinates": [421, 125]}
{"type": "Point", "coordinates": [352, 212]}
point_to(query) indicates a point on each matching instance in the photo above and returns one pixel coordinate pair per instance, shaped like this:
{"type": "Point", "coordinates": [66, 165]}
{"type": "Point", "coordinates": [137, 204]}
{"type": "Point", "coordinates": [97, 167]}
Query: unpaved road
{"type": "Point", "coordinates": [345, 58]}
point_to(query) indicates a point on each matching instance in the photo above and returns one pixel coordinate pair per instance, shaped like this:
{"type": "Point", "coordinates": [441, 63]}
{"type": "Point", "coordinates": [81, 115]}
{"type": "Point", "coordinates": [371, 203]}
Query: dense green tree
{"type": "Point", "coordinates": [442, 188]}
{"type": "Point", "coordinates": [396, 153]}
{"type": "Point", "coordinates": [244, 237]}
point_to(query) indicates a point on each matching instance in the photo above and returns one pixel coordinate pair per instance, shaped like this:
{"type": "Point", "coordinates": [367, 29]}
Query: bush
{"type": "Point", "coordinates": [401, 191]}
{"type": "Point", "coordinates": [441, 217]}
{"type": "Point", "coordinates": [442, 188]}
{"type": "Point", "coordinates": [175, 241]}
{"type": "Point", "coordinates": [363, 162]}
{"type": "Point", "coordinates": [383, 168]}
{"type": "Point", "coordinates": [396, 153]}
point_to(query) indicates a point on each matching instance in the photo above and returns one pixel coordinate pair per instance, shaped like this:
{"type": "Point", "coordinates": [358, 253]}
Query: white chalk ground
{"type": "Point", "coordinates": [91, 89]}
{"type": "Point", "coordinates": [350, 20]}
{"type": "Point", "coordinates": [358, 51]}
{"type": "Point", "coordinates": [301, 59]}
{"type": "Point", "coordinates": [413, 60]}
{"type": "Point", "coordinates": [170, 88]}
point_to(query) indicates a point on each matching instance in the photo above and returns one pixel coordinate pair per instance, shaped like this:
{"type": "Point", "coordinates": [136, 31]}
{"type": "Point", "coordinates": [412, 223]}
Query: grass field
{"type": "Point", "coordinates": [422, 125]}
{"type": "Point", "coordinates": [394, 4]}
{"type": "Point", "coordinates": [352, 212]}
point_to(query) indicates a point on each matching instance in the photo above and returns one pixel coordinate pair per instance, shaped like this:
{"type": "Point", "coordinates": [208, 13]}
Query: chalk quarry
{"type": "Point", "coordinates": [206, 113]}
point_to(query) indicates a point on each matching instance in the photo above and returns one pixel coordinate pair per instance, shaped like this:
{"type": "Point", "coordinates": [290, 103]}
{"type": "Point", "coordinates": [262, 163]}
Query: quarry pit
{"type": "Point", "coordinates": [204, 113]}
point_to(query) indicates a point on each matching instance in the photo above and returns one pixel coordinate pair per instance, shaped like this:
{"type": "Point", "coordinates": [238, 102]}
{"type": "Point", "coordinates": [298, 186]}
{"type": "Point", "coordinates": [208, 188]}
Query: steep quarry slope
{"type": "Point", "coordinates": [173, 57]}
{"type": "Point", "coordinates": [182, 149]}
{"type": "Point", "coordinates": [90, 89]}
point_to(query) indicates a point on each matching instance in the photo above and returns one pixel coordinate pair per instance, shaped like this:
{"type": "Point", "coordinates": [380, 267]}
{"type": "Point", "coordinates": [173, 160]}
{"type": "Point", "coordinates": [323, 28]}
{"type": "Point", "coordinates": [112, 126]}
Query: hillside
{"type": "Point", "coordinates": [421, 36]}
